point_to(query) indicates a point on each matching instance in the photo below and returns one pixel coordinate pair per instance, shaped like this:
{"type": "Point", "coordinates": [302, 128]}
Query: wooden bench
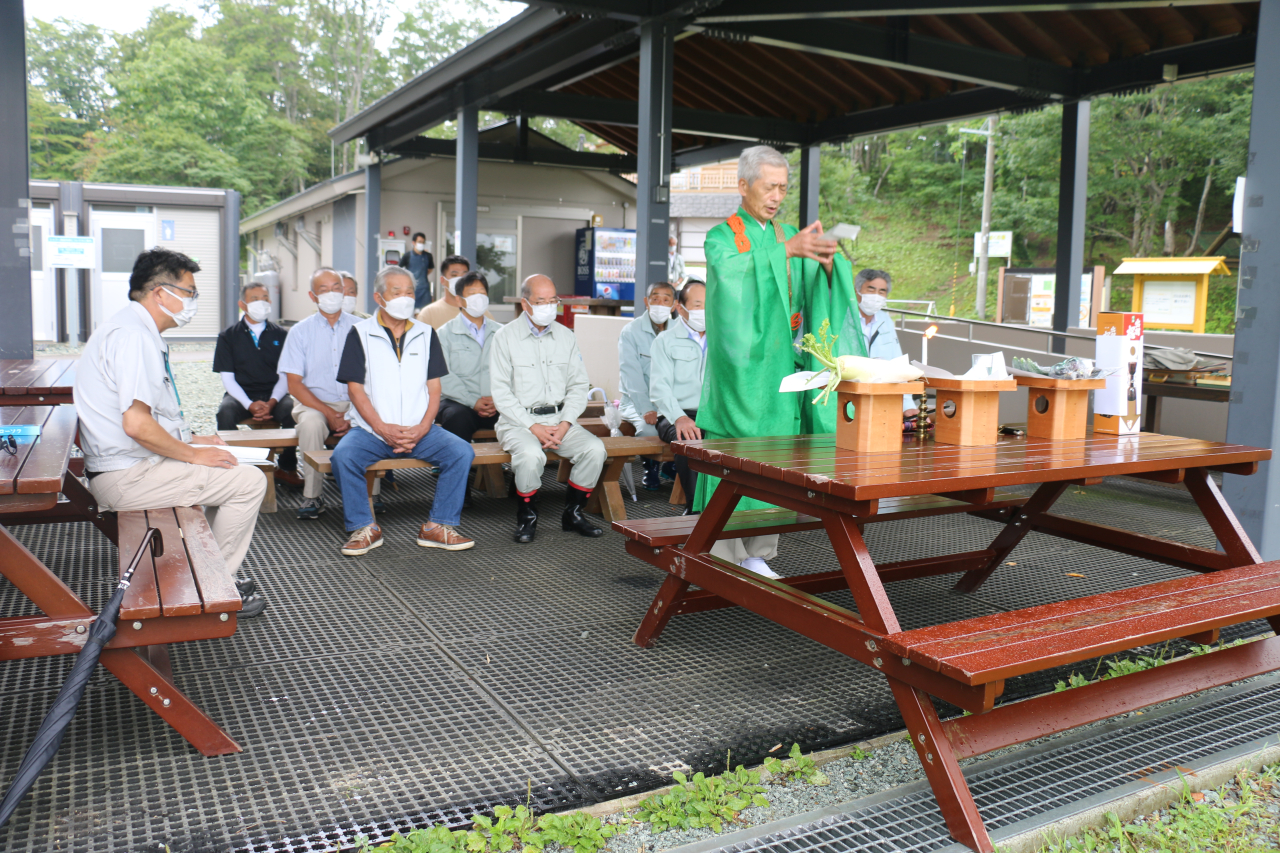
{"type": "Point", "coordinates": [183, 594]}
{"type": "Point", "coordinates": [650, 535]}
{"type": "Point", "coordinates": [606, 498]}
{"type": "Point", "coordinates": [985, 651]}
{"type": "Point", "coordinates": [271, 438]}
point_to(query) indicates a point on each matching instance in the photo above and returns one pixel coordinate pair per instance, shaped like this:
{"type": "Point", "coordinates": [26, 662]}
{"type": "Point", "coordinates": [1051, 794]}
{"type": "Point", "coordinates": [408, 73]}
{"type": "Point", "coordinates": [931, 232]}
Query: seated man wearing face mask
{"type": "Point", "coordinates": [310, 361]}
{"type": "Point", "coordinates": [679, 357]}
{"type": "Point", "coordinates": [392, 366]}
{"type": "Point", "coordinates": [447, 306]}
{"type": "Point", "coordinates": [246, 357]}
{"type": "Point", "coordinates": [540, 388]}
{"type": "Point", "coordinates": [139, 451]}
{"type": "Point", "coordinates": [351, 295]}
{"type": "Point", "coordinates": [869, 319]}
{"type": "Point", "coordinates": [634, 345]}
{"type": "Point", "coordinates": [466, 403]}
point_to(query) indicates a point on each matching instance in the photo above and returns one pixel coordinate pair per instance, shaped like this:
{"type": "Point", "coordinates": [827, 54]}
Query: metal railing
{"type": "Point", "coordinates": [1049, 333]}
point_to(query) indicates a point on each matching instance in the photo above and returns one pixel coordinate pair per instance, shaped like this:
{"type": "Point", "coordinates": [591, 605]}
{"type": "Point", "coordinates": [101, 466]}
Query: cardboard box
{"type": "Point", "coordinates": [1117, 408]}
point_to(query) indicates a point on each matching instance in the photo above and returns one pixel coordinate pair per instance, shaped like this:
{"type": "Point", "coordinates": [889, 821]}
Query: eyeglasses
{"type": "Point", "coordinates": [193, 293]}
{"type": "Point", "coordinates": [555, 300]}
{"type": "Point", "coordinates": [10, 445]}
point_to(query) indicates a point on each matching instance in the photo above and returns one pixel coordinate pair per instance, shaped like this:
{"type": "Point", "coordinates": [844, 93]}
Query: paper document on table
{"type": "Point", "coordinates": [249, 455]}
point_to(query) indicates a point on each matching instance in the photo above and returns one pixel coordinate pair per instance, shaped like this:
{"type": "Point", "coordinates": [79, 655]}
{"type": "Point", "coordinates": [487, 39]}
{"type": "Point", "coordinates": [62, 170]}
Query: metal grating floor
{"type": "Point", "coordinates": [408, 687]}
{"type": "Point", "coordinates": [1018, 788]}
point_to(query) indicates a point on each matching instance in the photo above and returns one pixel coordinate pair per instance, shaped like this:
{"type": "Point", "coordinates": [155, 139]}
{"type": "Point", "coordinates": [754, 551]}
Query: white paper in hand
{"type": "Point", "coordinates": [249, 455]}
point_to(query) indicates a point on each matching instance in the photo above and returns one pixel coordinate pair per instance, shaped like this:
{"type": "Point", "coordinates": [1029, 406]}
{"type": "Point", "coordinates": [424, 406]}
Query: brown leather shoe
{"type": "Point", "coordinates": [443, 536]}
{"type": "Point", "coordinates": [363, 541]}
{"type": "Point", "coordinates": [289, 478]}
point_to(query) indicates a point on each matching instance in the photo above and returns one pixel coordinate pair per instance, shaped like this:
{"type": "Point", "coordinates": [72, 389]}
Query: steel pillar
{"type": "Point", "coordinates": [15, 201]}
{"type": "Point", "coordinates": [231, 259]}
{"type": "Point", "coordinates": [1073, 192]}
{"type": "Point", "coordinates": [653, 155]}
{"type": "Point", "coordinates": [73, 285]}
{"type": "Point", "coordinates": [1252, 416]}
{"type": "Point", "coordinates": [810, 163]}
{"type": "Point", "coordinates": [372, 233]}
{"type": "Point", "coordinates": [467, 183]}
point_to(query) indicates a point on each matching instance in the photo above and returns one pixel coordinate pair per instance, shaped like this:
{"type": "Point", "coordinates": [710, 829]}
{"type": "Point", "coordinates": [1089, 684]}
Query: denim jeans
{"type": "Point", "coordinates": [360, 448]}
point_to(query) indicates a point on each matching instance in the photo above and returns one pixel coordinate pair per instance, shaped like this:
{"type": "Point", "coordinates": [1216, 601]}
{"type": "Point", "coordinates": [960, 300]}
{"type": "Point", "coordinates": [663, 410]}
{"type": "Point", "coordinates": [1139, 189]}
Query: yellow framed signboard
{"type": "Point", "coordinates": [1172, 293]}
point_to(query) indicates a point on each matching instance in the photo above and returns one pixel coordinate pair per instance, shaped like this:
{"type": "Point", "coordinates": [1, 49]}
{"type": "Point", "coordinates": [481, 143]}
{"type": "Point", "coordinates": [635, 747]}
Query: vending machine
{"type": "Point", "coordinates": [605, 265]}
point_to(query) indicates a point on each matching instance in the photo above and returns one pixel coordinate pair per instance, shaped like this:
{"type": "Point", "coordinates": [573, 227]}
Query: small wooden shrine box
{"type": "Point", "coordinates": [870, 415]}
{"type": "Point", "coordinates": [967, 411]}
{"type": "Point", "coordinates": [1058, 408]}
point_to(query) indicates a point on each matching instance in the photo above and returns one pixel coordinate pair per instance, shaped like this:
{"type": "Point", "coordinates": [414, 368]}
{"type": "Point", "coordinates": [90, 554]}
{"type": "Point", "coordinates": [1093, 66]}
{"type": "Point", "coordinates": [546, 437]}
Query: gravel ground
{"type": "Point", "coordinates": [201, 391]}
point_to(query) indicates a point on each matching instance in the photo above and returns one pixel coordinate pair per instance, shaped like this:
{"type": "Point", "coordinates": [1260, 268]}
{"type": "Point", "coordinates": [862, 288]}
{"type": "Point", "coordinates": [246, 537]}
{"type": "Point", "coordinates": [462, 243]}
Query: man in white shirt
{"type": "Point", "coordinates": [679, 360]}
{"type": "Point", "coordinates": [869, 319]}
{"type": "Point", "coordinates": [139, 451]}
{"type": "Point", "coordinates": [634, 345]}
{"type": "Point", "coordinates": [310, 360]}
{"type": "Point", "coordinates": [246, 357]}
{"type": "Point", "coordinates": [350, 296]}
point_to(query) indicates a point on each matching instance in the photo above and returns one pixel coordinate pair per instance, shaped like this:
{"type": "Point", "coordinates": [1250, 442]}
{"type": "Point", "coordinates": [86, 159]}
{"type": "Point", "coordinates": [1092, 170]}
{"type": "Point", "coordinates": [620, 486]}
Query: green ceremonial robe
{"type": "Point", "coordinates": [750, 342]}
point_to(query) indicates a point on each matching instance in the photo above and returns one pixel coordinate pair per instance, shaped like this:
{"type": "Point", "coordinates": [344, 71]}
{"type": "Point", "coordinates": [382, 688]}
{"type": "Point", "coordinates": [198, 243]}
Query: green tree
{"type": "Point", "coordinates": [56, 142]}
{"type": "Point", "coordinates": [70, 62]}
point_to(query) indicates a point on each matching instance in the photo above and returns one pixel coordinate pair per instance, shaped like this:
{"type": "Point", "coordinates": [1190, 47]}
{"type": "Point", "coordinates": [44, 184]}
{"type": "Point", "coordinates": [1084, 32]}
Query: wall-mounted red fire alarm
{"type": "Point", "coordinates": [406, 231]}
{"type": "Point", "coordinates": [391, 233]}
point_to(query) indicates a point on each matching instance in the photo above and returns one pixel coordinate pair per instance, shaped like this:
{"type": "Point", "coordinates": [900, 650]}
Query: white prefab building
{"type": "Point", "coordinates": [123, 220]}
{"type": "Point", "coordinates": [527, 217]}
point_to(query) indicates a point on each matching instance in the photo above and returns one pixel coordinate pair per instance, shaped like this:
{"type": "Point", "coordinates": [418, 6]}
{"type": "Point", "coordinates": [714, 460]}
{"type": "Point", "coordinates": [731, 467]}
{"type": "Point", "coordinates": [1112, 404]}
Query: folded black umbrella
{"type": "Point", "coordinates": [49, 736]}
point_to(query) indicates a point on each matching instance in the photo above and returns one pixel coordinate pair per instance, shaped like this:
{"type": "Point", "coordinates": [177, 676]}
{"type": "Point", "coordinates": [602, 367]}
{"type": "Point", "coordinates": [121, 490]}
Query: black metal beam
{"type": "Point", "coordinates": [712, 154]}
{"type": "Point", "coordinates": [895, 48]}
{"type": "Point", "coordinates": [421, 147]}
{"type": "Point", "coordinates": [734, 11]}
{"type": "Point", "coordinates": [617, 111]}
{"type": "Point", "coordinates": [15, 193]}
{"type": "Point", "coordinates": [579, 42]}
{"type": "Point", "coordinates": [1213, 56]}
{"type": "Point", "coordinates": [967, 104]}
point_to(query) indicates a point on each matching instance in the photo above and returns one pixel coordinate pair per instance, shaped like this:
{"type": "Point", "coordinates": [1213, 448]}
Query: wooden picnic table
{"type": "Point", "coordinates": [815, 485]}
{"type": "Point", "coordinates": [183, 594]}
{"type": "Point", "coordinates": [36, 381]}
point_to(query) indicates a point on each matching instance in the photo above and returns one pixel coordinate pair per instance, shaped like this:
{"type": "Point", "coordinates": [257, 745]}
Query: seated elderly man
{"type": "Point", "coordinates": [869, 319]}
{"type": "Point", "coordinates": [392, 365]}
{"type": "Point", "coordinates": [350, 294]}
{"type": "Point", "coordinates": [447, 306]}
{"type": "Point", "coordinates": [139, 451]}
{"type": "Point", "coordinates": [310, 361]}
{"type": "Point", "coordinates": [467, 401]}
{"type": "Point", "coordinates": [634, 345]}
{"type": "Point", "coordinates": [246, 357]}
{"type": "Point", "coordinates": [679, 356]}
{"type": "Point", "coordinates": [540, 388]}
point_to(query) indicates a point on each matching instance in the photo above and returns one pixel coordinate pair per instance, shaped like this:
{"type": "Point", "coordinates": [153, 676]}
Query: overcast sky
{"type": "Point", "coordinates": [125, 16]}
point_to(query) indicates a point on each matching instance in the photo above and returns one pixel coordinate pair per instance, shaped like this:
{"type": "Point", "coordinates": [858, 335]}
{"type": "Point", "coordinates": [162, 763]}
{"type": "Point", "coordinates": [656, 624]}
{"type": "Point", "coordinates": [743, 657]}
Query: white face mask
{"type": "Point", "coordinates": [543, 315]}
{"type": "Point", "coordinates": [477, 304]}
{"type": "Point", "coordinates": [349, 304]}
{"type": "Point", "coordinates": [698, 320]}
{"type": "Point", "coordinates": [421, 247]}
{"type": "Point", "coordinates": [258, 311]}
{"type": "Point", "coordinates": [447, 283]}
{"type": "Point", "coordinates": [660, 314]}
{"type": "Point", "coordinates": [872, 303]}
{"type": "Point", "coordinates": [401, 307]}
{"type": "Point", "coordinates": [190, 306]}
{"type": "Point", "coordinates": [331, 302]}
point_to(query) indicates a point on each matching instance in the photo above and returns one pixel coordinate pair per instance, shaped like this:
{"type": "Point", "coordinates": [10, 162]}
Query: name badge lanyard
{"type": "Point", "coordinates": [186, 430]}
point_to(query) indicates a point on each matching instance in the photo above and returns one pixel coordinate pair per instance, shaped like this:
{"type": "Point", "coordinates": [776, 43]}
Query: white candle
{"type": "Point", "coordinates": [924, 349]}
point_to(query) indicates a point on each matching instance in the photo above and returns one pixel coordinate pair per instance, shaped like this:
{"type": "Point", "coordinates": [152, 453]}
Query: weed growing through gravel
{"type": "Point", "coordinates": [1242, 816]}
{"type": "Point", "coordinates": [1126, 666]}
{"type": "Point", "coordinates": [703, 801]}
{"type": "Point", "coordinates": [798, 766]}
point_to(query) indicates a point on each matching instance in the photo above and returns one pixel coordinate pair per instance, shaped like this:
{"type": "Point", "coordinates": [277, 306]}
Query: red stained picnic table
{"type": "Point", "coordinates": [815, 485]}
{"type": "Point", "coordinates": [36, 381]}
{"type": "Point", "coordinates": [182, 594]}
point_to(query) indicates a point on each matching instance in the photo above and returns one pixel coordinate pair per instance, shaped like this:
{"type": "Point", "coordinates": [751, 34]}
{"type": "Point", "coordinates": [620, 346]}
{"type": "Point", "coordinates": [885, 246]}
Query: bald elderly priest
{"type": "Point", "coordinates": [767, 285]}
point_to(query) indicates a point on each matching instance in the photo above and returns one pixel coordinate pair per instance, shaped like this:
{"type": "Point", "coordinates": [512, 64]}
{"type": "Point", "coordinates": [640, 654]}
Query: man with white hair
{"type": "Point", "coordinates": [391, 365]}
{"type": "Point", "coordinates": [767, 285]}
{"type": "Point", "coordinates": [868, 318]}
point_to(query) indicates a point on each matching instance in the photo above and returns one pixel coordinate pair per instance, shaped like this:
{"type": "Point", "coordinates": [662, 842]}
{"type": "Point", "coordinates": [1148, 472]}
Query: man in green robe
{"type": "Point", "coordinates": [767, 285]}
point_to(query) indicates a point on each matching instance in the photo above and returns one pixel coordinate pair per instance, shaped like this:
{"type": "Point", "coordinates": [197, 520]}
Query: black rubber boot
{"type": "Point", "coordinates": [651, 481]}
{"type": "Point", "coordinates": [526, 518]}
{"type": "Point", "coordinates": [574, 518]}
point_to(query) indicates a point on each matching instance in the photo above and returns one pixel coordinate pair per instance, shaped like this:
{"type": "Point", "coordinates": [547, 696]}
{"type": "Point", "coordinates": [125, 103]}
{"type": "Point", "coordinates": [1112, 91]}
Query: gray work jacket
{"type": "Point", "coordinates": [468, 377]}
{"type": "Point", "coordinates": [528, 371]}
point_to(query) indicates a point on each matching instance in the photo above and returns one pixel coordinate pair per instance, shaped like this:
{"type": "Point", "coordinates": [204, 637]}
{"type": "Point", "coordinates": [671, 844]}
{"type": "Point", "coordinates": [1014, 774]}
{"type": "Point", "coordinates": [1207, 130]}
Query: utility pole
{"type": "Point", "coordinates": [985, 240]}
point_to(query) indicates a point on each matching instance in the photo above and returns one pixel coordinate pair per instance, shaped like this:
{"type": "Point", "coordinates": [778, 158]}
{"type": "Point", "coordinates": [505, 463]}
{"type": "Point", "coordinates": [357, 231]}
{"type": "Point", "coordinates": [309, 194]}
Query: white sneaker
{"type": "Point", "coordinates": [760, 567]}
